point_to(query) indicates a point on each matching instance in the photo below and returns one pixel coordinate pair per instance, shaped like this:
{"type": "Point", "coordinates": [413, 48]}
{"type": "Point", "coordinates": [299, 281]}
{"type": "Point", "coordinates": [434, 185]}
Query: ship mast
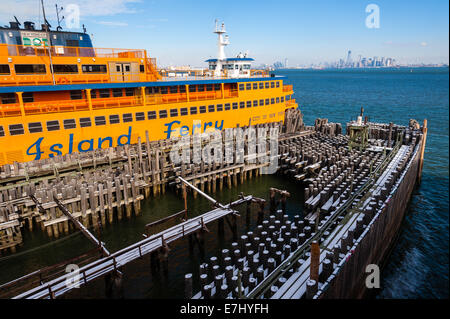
{"type": "Point", "coordinates": [222, 42]}
{"type": "Point", "coordinates": [48, 45]}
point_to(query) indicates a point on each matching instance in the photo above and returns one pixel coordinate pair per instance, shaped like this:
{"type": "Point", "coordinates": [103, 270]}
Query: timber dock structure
{"type": "Point", "coordinates": [356, 188]}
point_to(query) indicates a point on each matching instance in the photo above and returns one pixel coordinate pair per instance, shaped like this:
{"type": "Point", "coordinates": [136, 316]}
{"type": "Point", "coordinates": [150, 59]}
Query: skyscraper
{"type": "Point", "coordinates": [349, 58]}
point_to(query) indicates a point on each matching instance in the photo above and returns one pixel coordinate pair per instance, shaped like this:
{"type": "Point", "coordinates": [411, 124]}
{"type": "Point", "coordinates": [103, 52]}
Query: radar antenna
{"type": "Point", "coordinates": [17, 20]}
{"type": "Point", "coordinates": [57, 17]}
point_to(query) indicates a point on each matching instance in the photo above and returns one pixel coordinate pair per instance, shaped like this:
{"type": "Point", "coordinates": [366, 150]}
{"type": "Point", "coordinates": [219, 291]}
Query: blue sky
{"type": "Point", "coordinates": [304, 32]}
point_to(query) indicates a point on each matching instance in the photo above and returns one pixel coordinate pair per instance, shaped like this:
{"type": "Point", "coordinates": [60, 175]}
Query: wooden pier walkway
{"type": "Point", "coordinates": [87, 273]}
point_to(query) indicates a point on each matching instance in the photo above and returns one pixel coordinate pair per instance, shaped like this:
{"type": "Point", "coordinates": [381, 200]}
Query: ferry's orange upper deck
{"type": "Point", "coordinates": [60, 99]}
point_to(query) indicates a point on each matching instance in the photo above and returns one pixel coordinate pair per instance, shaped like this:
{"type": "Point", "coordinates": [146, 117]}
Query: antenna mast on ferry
{"type": "Point", "coordinates": [222, 42]}
{"type": "Point", "coordinates": [48, 42]}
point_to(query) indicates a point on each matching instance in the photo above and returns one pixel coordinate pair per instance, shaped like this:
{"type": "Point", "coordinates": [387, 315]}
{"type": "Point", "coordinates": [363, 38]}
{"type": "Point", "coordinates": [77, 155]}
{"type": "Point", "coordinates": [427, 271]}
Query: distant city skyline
{"type": "Point", "coordinates": [299, 32]}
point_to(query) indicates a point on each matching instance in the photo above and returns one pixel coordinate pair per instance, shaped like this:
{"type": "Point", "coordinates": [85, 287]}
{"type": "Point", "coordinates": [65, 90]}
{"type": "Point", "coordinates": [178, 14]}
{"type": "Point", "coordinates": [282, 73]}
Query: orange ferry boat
{"type": "Point", "coordinates": [59, 94]}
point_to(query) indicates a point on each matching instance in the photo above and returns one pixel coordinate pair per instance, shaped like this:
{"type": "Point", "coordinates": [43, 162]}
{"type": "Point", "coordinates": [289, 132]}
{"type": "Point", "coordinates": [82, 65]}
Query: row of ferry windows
{"type": "Point", "coordinates": [10, 98]}
{"type": "Point", "coordinates": [261, 85]}
{"type": "Point", "coordinates": [36, 127]}
{"type": "Point", "coordinates": [57, 68]}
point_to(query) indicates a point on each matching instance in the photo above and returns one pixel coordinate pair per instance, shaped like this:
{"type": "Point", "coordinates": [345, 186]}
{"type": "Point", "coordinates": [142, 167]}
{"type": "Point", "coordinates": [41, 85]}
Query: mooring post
{"type": "Point", "coordinates": [422, 150]}
{"type": "Point", "coordinates": [247, 215]}
{"type": "Point", "coordinates": [114, 285]}
{"type": "Point", "coordinates": [273, 203]}
{"type": "Point", "coordinates": [235, 234]}
{"type": "Point", "coordinates": [315, 255]}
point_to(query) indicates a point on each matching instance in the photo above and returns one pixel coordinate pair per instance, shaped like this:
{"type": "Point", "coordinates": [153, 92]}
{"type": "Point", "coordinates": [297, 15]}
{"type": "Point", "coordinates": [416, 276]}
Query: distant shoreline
{"type": "Point", "coordinates": [372, 68]}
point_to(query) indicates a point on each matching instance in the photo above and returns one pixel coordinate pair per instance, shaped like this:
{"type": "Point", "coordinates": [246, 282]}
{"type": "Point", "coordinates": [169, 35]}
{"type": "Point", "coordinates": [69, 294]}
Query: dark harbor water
{"type": "Point", "coordinates": [418, 265]}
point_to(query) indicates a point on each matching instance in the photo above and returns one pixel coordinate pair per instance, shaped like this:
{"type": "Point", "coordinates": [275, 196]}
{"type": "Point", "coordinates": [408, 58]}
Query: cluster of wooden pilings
{"type": "Point", "coordinates": [327, 128]}
{"type": "Point", "coordinates": [347, 199]}
{"type": "Point", "coordinates": [97, 185]}
{"type": "Point", "coordinates": [249, 260]}
{"type": "Point", "coordinates": [302, 156]}
{"type": "Point", "coordinates": [293, 121]}
{"type": "Point", "coordinates": [365, 238]}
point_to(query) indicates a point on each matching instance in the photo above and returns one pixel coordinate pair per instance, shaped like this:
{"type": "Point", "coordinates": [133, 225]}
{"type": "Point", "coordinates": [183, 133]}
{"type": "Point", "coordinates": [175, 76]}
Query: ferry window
{"type": "Point", "coordinates": [151, 115]}
{"type": "Point", "coordinates": [182, 88]}
{"type": "Point", "coordinates": [241, 87]}
{"type": "Point", "coordinates": [267, 85]}
{"type": "Point", "coordinates": [129, 92]}
{"type": "Point", "coordinates": [100, 120]}
{"type": "Point", "coordinates": [191, 88]}
{"type": "Point", "coordinates": [16, 129]}
{"type": "Point", "coordinates": [272, 101]}
{"type": "Point", "coordinates": [163, 89]}
{"type": "Point", "coordinates": [173, 112]}
{"type": "Point", "coordinates": [217, 87]}
{"type": "Point", "coordinates": [140, 116]}
{"type": "Point", "coordinates": [255, 86]}
{"type": "Point", "coordinates": [241, 105]}
{"type": "Point", "coordinates": [29, 68]}
{"type": "Point", "coordinates": [4, 69]}
{"type": "Point", "coordinates": [201, 88]}
{"type": "Point", "coordinates": [248, 86]}
{"type": "Point", "coordinates": [278, 100]}
{"type": "Point", "coordinates": [193, 110]}
{"type": "Point", "coordinates": [210, 108]}
{"type": "Point", "coordinates": [272, 84]}
{"type": "Point", "coordinates": [142, 68]}
{"type": "Point", "coordinates": [219, 108]}
{"type": "Point", "coordinates": [127, 117]}
{"type": "Point", "coordinates": [76, 95]}
{"type": "Point", "coordinates": [261, 102]}
{"type": "Point", "coordinates": [288, 97]}
{"type": "Point", "coordinates": [93, 94]}
{"type": "Point", "coordinates": [72, 43]}
{"type": "Point", "coordinates": [8, 98]}
{"type": "Point", "coordinates": [69, 124]}
{"type": "Point", "coordinates": [35, 127]}
{"type": "Point", "coordinates": [174, 89]}
{"type": "Point", "coordinates": [65, 68]}
{"type": "Point", "coordinates": [282, 99]}
{"type": "Point", "coordinates": [235, 106]}
{"type": "Point", "coordinates": [117, 92]}
{"type": "Point", "coordinates": [52, 126]}
{"type": "Point", "coordinates": [249, 103]}
{"type": "Point", "coordinates": [227, 106]}
{"type": "Point", "coordinates": [267, 102]}
{"type": "Point", "coordinates": [246, 66]}
{"type": "Point", "coordinates": [114, 119]}
{"type": "Point", "coordinates": [261, 85]}
{"type": "Point", "coordinates": [127, 68]}
{"type": "Point", "coordinates": [85, 121]}
{"type": "Point", "coordinates": [94, 68]}
{"type": "Point", "coordinates": [255, 103]}
{"type": "Point", "coordinates": [278, 84]}
{"type": "Point", "coordinates": [209, 87]}
{"type": "Point", "coordinates": [28, 97]}
{"type": "Point", "coordinates": [183, 111]}
{"type": "Point", "coordinates": [203, 109]}
{"type": "Point", "coordinates": [104, 93]}
{"type": "Point", "coordinates": [2, 131]}
{"type": "Point", "coordinates": [162, 114]}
